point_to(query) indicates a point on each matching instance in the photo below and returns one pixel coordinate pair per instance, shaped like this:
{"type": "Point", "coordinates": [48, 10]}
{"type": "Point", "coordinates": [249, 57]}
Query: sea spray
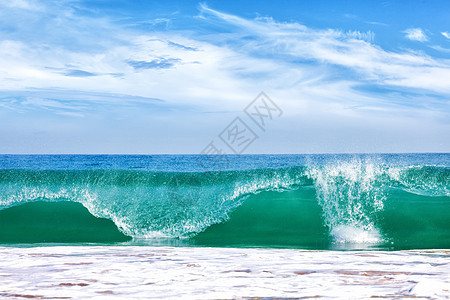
{"type": "Point", "coordinates": [350, 194]}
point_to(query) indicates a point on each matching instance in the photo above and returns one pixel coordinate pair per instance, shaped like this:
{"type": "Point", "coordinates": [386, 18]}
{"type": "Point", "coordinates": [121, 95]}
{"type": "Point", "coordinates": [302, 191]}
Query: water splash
{"type": "Point", "coordinates": [350, 193]}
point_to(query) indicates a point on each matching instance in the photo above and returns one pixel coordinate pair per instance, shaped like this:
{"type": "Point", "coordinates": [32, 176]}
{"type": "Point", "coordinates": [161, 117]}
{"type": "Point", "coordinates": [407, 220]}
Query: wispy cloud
{"type": "Point", "coordinates": [440, 48]}
{"type": "Point", "coordinates": [287, 57]}
{"type": "Point", "coordinates": [446, 34]}
{"type": "Point", "coordinates": [416, 34]}
{"type": "Point", "coordinates": [22, 4]}
{"type": "Point", "coordinates": [350, 50]}
{"type": "Point", "coordinates": [376, 23]}
{"type": "Point", "coordinates": [77, 65]}
{"type": "Point", "coordinates": [75, 103]}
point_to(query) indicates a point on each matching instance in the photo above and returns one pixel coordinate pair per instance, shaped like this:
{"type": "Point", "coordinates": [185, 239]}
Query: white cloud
{"type": "Point", "coordinates": [221, 67]}
{"type": "Point", "coordinates": [446, 34]}
{"type": "Point", "coordinates": [416, 34]}
{"type": "Point", "coordinates": [22, 4]}
{"type": "Point", "coordinates": [406, 70]}
{"type": "Point", "coordinates": [312, 73]}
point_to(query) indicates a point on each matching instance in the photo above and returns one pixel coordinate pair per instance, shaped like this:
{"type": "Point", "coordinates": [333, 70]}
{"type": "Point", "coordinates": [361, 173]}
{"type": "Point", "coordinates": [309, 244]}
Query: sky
{"type": "Point", "coordinates": [175, 77]}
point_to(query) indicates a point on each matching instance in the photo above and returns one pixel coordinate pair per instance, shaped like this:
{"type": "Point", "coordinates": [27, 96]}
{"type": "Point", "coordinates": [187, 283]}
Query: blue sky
{"type": "Point", "coordinates": [153, 77]}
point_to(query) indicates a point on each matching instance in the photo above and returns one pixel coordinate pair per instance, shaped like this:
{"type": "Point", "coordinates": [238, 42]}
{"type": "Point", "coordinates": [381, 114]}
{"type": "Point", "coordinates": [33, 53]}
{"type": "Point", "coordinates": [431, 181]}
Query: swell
{"type": "Point", "coordinates": [296, 219]}
{"type": "Point", "coordinates": [61, 222]}
{"type": "Point", "coordinates": [312, 206]}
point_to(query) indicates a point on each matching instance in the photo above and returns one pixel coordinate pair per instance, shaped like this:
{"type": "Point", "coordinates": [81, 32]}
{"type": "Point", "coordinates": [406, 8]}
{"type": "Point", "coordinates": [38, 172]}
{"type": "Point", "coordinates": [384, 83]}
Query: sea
{"type": "Point", "coordinates": [219, 226]}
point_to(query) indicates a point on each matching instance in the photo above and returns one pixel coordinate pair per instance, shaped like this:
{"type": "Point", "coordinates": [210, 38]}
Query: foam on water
{"type": "Point", "coordinates": [350, 234]}
{"type": "Point", "coordinates": [220, 273]}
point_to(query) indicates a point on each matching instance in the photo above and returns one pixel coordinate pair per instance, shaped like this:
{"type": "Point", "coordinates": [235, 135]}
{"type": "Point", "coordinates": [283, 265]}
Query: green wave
{"type": "Point", "coordinates": [340, 205]}
{"type": "Point", "coordinates": [295, 219]}
{"type": "Point", "coordinates": [271, 219]}
{"type": "Point", "coordinates": [61, 222]}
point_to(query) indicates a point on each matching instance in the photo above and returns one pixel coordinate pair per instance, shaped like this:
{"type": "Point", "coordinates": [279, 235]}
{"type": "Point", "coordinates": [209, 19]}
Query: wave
{"type": "Point", "coordinates": [341, 203]}
{"type": "Point", "coordinates": [60, 222]}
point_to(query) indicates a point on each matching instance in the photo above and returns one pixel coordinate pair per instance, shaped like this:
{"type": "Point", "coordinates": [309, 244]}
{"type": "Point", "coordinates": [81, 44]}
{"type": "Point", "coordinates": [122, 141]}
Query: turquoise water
{"type": "Point", "coordinates": [289, 201]}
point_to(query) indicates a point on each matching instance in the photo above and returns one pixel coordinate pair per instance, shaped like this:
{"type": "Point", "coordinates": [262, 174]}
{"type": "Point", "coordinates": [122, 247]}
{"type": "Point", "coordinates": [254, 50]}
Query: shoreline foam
{"type": "Point", "coordinates": [102, 272]}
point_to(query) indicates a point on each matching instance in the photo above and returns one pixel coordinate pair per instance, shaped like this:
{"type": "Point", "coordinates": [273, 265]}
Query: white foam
{"type": "Point", "coordinates": [356, 235]}
{"type": "Point", "coordinates": [97, 272]}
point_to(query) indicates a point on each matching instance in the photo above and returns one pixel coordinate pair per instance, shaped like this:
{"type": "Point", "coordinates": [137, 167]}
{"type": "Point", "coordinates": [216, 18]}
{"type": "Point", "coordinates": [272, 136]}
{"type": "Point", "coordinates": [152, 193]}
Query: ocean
{"type": "Point", "coordinates": [387, 201]}
{"type": "Point", "coordinates": [77, 210]}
